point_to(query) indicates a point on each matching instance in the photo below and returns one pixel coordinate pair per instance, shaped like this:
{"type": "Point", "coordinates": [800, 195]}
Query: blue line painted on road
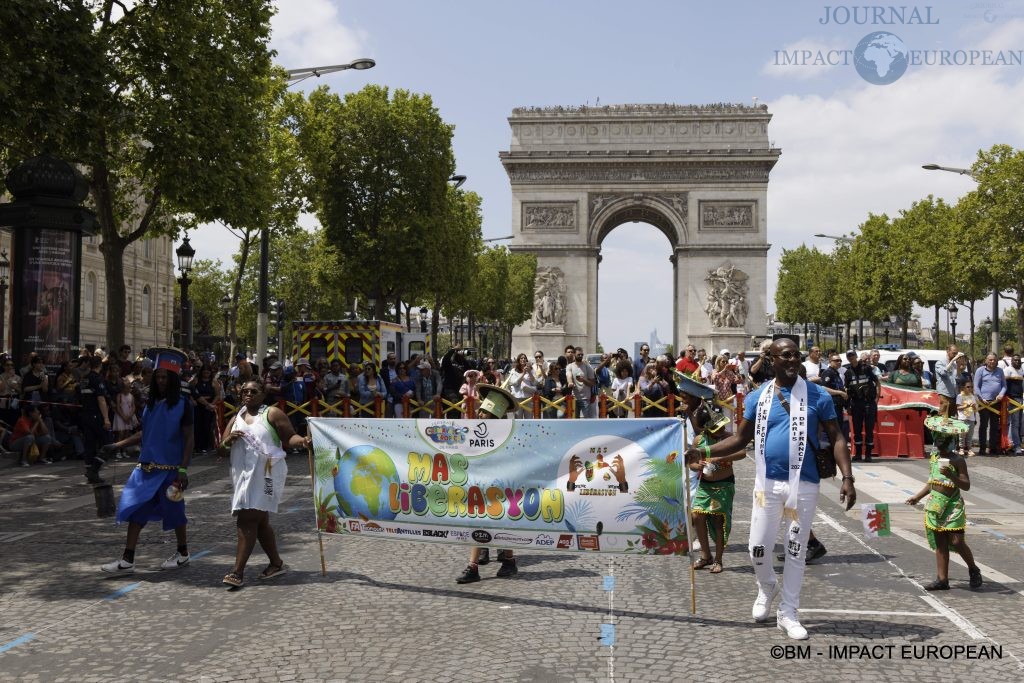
{"type": "Point", "coordinates": [20, 640]}
{"type": "Point", "coordinates": [122, 591]}
{"type": "Point", "coordinates": [201, 553]}
{"type": "Point", "coordinates": [293, 509]}
{"type": "Point", "coordinates": [608, 634]}
{"type": "Point", "coordinates": [609, 583]}
{"type": "Point", "coordinates": [889, 483]}
{"type": "Point", "coordinates": [908, 492]}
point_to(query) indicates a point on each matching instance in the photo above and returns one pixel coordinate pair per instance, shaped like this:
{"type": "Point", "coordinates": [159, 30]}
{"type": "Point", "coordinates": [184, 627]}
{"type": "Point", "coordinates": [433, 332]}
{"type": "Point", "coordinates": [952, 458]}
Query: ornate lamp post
{"type": "Point", "coordinates": [5, 272]}
{"type": "Point", "coordinates": [304, 313]}
{"type": "Point", "coordinates": [952, 320]}
{"type": "Point", "coordinates": [185, 254]}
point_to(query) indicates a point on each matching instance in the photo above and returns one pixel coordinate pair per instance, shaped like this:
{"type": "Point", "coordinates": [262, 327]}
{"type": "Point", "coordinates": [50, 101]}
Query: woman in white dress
{"type": "Point", "coordinates": [521, 384]}
{"type": "Point", "coordinates": [257, 438]}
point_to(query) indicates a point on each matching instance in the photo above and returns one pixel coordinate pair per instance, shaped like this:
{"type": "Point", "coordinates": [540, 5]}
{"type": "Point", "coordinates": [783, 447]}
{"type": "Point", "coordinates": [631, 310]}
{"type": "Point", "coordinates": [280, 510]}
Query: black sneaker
{"type": "Point", "coordinates": [975, 574]}
{"type": "Point", "coordinates": [471, 575]}
{"type": "Point", "coordinates": [937, 585]}
{"type": "Point", "coordinates": [484, 557]}
{"type": "Point", "coordinates": [816, 551]}
{"type": "Point", "coordinates": [508, 568]}
{"type": "Point", "coordinates": [93, 477]}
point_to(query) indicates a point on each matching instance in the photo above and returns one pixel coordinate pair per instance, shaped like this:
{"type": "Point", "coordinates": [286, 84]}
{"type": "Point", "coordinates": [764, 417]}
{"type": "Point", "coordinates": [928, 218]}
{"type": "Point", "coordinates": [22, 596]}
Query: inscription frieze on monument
{"type": "Point", "coordinates": [549, 216]}
{"type": "Point", "coordinates": [728, 215]}
{"type": "Point", "coordinates": [636, 173]}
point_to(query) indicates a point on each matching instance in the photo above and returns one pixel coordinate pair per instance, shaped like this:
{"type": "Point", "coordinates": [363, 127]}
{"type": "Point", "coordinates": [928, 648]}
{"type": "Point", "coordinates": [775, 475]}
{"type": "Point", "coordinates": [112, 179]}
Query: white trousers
{"type": "Point", "coordinates": [764, 528]}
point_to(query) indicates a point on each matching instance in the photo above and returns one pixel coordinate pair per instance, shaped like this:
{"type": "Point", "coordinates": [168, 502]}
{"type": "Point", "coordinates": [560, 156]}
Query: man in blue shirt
{"type": "Point", "coordinates": [775, 491]}
{"type": "Point", "coordinates": [945, 380]}
{"type": "Point", "coordinates": [989, 387]}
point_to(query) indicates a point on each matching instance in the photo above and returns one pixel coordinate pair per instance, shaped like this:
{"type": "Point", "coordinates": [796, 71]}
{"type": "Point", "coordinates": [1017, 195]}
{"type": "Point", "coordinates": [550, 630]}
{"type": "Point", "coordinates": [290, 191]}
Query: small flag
{"type": "Point", "coordinates": [875, 517]}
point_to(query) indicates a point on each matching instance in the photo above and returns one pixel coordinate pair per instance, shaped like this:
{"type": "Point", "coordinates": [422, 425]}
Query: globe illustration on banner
{"type": "Point", "coordinates": [880, 58]}
{"type": "Point", "coordinates": [364, 475]}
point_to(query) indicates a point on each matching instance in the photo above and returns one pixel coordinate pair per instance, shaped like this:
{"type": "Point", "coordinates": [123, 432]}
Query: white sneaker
{"type": "Point", "coordinates": [763, 605]}
{"type": "Point", "coordinates": [791, 626]}
{"type": "Point", "coordinates": [118, 567]}
{"type": "Point", "coordinates": [176, 561]}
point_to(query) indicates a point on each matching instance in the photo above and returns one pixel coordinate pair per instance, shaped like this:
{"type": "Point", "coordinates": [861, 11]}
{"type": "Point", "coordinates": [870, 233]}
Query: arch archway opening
{"type": "Point", "coordinates": [636, 294]}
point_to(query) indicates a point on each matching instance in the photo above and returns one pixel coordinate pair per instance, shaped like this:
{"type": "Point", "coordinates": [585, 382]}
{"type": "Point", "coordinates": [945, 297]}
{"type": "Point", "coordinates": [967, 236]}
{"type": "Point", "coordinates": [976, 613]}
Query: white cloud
{"type": "Point", "coordinates": [311, 33]}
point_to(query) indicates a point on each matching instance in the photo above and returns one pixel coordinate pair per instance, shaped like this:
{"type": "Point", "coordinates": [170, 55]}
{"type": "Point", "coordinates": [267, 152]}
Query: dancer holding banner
{"type": "Point", "coordinates": [154, 490]}
{"type": "Point", "coordinates": [257, 438]}
{"type": "Point", "coordinates": [782, 417]}
{"type": "Point", "coordinates": [945, 517]}
{"type": "Point", "coordinates": [713, 496]}
{"type": "Point", "coordinates": [495, 403]}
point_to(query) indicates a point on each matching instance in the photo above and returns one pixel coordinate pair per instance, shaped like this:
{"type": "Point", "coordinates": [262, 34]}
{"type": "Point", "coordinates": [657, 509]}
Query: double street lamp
{"type": "Point", "coordinates": [185, 254]}
{"type": "Point", "coordinates": [994, 339]}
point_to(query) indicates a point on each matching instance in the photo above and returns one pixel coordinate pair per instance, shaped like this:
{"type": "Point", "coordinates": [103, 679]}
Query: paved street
{"type": "Point", "coordinates": [390, 610]}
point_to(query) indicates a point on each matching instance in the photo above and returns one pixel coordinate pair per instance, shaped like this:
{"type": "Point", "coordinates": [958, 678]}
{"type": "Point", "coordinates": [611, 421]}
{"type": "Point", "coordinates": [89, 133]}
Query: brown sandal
{"type": "Point", "coordinates": [234, 580]}
{"type": "Point", "coordinates": [701, 563]}
{"type": "Point", "coordinates": [273, 571]}
{"type": "Point", "coordinates": [716, 568]}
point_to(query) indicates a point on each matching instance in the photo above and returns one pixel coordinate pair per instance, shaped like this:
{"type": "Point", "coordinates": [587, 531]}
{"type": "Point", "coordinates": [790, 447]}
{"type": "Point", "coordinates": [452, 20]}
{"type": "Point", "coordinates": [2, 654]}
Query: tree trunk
{"type": "Point", "coordinates": [113, 270]}
{"type": "Point", "coordinates": [970, 308]}
{"type": "Point", "coordinates": [236, 290]}
{"type": "Point", "coordinates": [435, 322]}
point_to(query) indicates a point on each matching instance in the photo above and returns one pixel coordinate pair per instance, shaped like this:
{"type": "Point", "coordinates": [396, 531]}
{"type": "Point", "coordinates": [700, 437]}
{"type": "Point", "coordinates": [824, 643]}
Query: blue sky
{"type": "Point", "coordinates": [848, 147]}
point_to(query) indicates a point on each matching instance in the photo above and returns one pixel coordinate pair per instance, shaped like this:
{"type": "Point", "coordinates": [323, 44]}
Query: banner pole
{"type": "Point", "coordinates": [689, 520]}
{"type": "Point", "coordinates": [319, 534]}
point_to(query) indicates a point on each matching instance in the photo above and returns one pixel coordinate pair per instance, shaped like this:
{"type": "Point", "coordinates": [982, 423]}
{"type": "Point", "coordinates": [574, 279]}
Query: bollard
{"type": "Point", "coordinates": [104, 494]}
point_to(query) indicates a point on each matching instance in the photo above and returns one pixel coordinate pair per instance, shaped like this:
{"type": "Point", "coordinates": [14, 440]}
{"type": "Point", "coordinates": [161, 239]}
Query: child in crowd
{"type": "Point", "coordinates": [945, 516]}
{"type": "Point", "coordinates": [469, 391]}
{"type": "Point", "coordinates": [967, 411]}
{"type": "Point", "coordinates": [125, 421]}
{"type": "Point", "coordinates": [622, 387]}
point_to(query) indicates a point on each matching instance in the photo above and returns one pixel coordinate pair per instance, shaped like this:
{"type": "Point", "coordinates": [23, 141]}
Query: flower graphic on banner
{"type": "Point", "coordinates": [661, 500]}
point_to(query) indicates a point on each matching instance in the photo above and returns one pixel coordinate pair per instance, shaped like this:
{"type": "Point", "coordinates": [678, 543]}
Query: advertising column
{"type": "Point", "coordinates": [45, 313]}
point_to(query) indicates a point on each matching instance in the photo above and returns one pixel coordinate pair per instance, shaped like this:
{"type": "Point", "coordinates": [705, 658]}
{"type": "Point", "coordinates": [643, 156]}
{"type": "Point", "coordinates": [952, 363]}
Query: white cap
{"type": "Point", "coordinates": [723, 352]}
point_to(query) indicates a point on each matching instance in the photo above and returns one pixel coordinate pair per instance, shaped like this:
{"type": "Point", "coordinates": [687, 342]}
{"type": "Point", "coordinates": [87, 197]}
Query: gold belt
{"type": "Point", "coordinates": [148, 467]}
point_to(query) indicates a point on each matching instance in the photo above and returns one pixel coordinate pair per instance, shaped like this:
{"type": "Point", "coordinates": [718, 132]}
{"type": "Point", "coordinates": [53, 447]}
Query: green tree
{"type": "Point", "coordinates": [378, 166]}
{"type": "Point", "coordinates": [210, 282]}
{"type": "Point", "coordinates": [887, 264]}
{"type": "Point", "coordinates": [992, 223]}
{"type": "Point", "coordinates": [159, 105]}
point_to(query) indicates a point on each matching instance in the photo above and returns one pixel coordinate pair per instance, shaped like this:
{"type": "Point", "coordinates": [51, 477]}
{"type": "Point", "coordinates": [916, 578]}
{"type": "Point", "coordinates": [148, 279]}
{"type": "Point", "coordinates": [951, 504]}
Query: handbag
{"type": "Point", "coordinates": [825, 459]}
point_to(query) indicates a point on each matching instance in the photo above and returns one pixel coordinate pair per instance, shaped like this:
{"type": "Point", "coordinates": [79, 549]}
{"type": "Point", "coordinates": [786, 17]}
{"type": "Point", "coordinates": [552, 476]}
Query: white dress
{"type": "Point", "coordinates": [258, 467]}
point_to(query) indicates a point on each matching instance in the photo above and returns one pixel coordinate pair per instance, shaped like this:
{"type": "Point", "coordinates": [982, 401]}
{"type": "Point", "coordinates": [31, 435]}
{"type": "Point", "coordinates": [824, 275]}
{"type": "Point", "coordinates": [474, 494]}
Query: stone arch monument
{"type": "Point", "coordinates": [699, 174]}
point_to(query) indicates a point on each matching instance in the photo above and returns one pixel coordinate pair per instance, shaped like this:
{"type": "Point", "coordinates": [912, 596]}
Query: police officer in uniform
{"type": "Point", "coordinates": [93, 418]}
{"type": "Point", "coordinates": [862, 388]}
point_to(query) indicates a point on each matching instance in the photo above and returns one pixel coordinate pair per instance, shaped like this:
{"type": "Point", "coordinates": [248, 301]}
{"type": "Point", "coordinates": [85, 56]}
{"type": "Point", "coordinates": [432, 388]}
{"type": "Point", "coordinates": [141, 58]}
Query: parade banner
{"type": "Point", "coordinates": [609, 486]}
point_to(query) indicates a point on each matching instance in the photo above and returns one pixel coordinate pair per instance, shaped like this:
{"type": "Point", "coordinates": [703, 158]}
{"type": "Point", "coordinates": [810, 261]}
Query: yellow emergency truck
{"type": "Point", "coordinates": [355, 341]}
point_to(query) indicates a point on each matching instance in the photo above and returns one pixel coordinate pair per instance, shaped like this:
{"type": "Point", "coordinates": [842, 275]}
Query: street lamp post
{"type": "Point", "coordinates": [423, 319]}
{"type": "Point", "coordinates": [5, 272]}
{"type": "Point", "coordinates": [304, 314]}
{"type": "Point", "coordinates": [185, 254]}
{"type": "Point", "coordinates": [952, 320]}
{"type": "Point", "coordinates": [994, 337]}
{"type": "Point", "coordinates": [295, 76]}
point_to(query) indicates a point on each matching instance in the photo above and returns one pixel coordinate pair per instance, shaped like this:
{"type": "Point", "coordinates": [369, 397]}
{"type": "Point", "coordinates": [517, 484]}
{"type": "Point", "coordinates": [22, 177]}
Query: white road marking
{"type": "Point", "coordinates": [986, 571]}
{"type": "Point", "coordinates": [871, 612]}
{"type": "Point", "coordinates": [951, 614]}
{"type": "Point", "coordinates": [960, 622]}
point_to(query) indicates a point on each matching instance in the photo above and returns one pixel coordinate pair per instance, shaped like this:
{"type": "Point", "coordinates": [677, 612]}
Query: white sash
{"type": "Point", "coordinates": [797, 441]}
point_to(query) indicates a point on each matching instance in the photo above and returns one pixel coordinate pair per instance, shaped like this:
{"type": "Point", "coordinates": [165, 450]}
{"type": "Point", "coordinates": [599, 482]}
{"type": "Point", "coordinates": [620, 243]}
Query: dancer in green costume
{"type": "Point", "coordinates": [945, 518]}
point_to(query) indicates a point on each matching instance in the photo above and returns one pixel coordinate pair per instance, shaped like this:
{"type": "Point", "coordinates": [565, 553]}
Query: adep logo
{"type": "Point", "coordinates": [544, 540]}
{"type": "Point", "coordinates": [588, 542]}
{"type": "Point", "coordinates": [481, 536]}
{"type": "Point", "coordinates": [354, 526]}
{"type": "Point", "coordinates": [564, 541]}
{"type": "Point", "coordinates": [512, 538]}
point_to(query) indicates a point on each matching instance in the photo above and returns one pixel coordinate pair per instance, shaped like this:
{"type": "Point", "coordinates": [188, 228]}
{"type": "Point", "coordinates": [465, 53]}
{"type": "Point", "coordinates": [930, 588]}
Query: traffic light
{"type": "Point", "coordinates": [279, 304]}
{"type": "Point", "coordinates": [273, 315]}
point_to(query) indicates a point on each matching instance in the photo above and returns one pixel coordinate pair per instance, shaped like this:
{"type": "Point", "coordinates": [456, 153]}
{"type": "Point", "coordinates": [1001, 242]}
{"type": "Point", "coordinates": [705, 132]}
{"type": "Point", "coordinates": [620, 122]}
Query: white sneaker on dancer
{"type": "Point", "coordinates": [118, 567]}
{"type": "Point", "coordinates": [763, 605]}
{"type": "Point", "coordinates": [176, 561]}
{"type": "Point", "coordinates": [791, 626]}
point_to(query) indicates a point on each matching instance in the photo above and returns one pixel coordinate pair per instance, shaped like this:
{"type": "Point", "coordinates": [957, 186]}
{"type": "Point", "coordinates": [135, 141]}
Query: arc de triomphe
{"type": "Point", "coordinates": [697, 173]}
